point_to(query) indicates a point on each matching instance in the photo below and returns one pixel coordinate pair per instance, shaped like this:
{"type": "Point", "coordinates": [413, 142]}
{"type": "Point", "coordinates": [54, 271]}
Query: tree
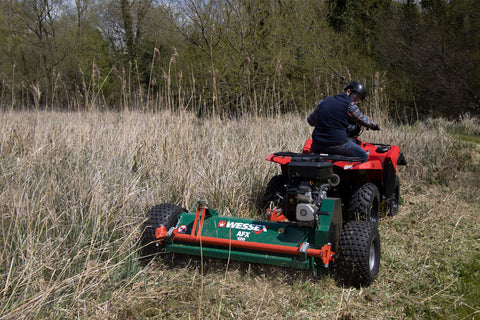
{"type": "Point", "coordinates": [34, 26]}
{"type": "Point", "coordinates": [431, 50]}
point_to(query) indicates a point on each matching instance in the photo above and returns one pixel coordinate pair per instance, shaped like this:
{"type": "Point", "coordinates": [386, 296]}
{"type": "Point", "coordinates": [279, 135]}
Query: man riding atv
{"type": "Point", "coordinates": [333, 116]}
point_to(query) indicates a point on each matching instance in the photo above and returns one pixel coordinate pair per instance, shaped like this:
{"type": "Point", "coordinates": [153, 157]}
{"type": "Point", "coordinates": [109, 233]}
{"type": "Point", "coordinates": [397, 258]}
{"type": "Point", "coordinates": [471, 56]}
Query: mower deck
{"type": "Point", "coordinates": [205, 232]}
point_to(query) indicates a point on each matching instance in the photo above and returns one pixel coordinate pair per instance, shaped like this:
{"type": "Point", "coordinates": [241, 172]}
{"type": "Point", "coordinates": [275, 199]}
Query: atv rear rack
{"type": "Point", "coordinates": [316, 157]}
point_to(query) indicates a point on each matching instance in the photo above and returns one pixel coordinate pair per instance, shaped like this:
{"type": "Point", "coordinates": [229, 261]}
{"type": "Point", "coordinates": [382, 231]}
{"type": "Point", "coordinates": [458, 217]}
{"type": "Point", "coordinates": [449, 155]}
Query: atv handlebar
{"type": "Point", "coordinates": [354, 130]}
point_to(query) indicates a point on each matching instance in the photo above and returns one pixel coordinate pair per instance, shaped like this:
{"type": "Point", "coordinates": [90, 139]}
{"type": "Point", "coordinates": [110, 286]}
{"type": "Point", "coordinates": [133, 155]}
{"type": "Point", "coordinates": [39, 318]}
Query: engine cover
{"type": "Point", "coordinates": [306, 212]}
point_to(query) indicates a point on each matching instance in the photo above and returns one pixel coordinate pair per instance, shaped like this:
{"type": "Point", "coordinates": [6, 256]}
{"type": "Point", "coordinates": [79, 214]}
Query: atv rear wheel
{"type": "Point", "coordinates": [392, 204]}
{"type": "Point", "coordinates": [162, 214]}
{"type": "Point", "coordinates": [275, 191]}
{"type": "Point", "coordinates": [365, 204]}
{"type": "Point", "coordinates": [358, 256]}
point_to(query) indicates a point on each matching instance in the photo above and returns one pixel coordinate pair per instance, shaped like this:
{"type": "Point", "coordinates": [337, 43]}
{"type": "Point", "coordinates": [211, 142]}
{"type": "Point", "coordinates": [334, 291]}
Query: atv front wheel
{"type": "Point", "coordinates": [357, 260]}
{"type": "Point", "coordinates": [162, 214]}
{"type": "Point", "coordinates": [365, 204]}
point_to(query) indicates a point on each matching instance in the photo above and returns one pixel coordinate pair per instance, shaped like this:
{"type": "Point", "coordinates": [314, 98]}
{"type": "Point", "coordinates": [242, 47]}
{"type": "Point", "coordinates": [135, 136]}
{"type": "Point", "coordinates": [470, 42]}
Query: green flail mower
{"type": "Point", "coordinates": [309, 232]}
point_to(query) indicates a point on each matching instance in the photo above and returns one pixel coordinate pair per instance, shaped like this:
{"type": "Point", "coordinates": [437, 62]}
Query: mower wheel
{"type": "Point", "coordinates": [365, 204]}
{"type": "Point", "coordinates": [393, 203]}
{"type": "Point", "coordinates": [275, 191]}
{"type": "Point", "coordinates": [162, 214]}
{"type": "Point", "coordinates": [357, 260]}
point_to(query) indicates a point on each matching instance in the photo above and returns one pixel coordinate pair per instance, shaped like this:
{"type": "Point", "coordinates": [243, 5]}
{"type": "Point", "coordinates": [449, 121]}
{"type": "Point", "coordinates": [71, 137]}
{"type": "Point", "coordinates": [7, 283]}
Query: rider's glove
{"type": "Point", "coordinates": [375, 127]}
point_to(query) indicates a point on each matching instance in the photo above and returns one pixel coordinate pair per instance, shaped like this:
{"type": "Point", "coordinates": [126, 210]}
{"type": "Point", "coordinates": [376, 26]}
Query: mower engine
{"type": "Point", "coordinates": [307, 187]}
{"type": "Point", "coordinates": [305, 199]}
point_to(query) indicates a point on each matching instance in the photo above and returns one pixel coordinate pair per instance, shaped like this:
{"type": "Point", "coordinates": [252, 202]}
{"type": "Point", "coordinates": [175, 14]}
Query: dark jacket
{"type": "Point", "coordinates": [330, 119]}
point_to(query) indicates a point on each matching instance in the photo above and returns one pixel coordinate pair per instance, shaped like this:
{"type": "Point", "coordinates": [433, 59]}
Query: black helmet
{"type": "Point", "coordinates": [356, 87]}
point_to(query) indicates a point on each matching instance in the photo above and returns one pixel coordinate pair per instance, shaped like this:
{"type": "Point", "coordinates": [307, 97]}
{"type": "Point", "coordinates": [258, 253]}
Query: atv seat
{"type": "Point", "coordinates": [307, 149]}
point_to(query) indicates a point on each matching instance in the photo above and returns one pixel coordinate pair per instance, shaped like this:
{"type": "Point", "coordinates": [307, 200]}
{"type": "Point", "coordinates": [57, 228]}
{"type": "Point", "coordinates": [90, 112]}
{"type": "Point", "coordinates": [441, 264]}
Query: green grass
{"type": "Point", "coordinates": [75, 188]}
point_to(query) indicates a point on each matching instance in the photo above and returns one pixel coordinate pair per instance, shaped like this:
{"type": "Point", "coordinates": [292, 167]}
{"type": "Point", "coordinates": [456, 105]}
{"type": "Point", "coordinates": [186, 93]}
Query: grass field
{"type": "Point", "coordinates": [75, 188]}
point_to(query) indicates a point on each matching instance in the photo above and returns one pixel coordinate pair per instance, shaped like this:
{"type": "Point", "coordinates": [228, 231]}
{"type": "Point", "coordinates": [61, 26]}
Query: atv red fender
{"type": "Point", "coordinates": [378, 155]}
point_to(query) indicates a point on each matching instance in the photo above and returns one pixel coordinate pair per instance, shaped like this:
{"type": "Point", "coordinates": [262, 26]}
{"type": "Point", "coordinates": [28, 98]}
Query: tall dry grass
{"type": "Point", "coordinates": [74, 189]}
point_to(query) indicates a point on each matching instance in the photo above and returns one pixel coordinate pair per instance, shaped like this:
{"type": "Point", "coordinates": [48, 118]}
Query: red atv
{"type": "Point", "coordinates": [368, 189]}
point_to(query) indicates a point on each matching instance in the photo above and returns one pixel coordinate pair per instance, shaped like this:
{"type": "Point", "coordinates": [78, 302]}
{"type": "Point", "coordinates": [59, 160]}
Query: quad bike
{"type": "Point", "coordinates": [369, 189]}
{"type": "Point", "coordinates": [304, 226]}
